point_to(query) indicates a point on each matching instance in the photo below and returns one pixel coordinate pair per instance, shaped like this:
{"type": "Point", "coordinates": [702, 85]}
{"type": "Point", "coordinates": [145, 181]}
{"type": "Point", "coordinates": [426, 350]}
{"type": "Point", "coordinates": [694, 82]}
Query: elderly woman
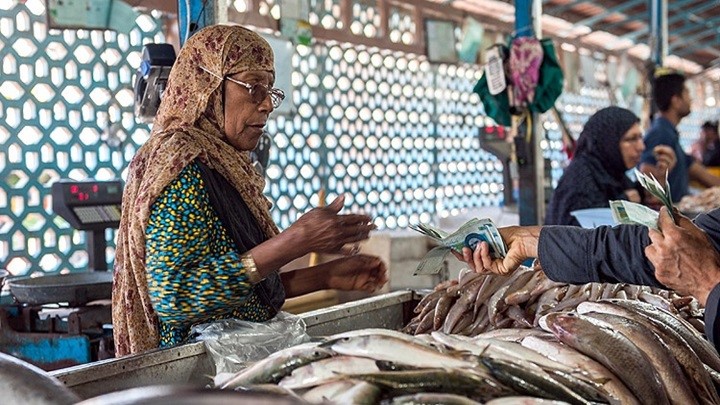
{"type": "Point", "coordinates": [610, 143]}
{"type": "Point", "coordinates": [196, 240]}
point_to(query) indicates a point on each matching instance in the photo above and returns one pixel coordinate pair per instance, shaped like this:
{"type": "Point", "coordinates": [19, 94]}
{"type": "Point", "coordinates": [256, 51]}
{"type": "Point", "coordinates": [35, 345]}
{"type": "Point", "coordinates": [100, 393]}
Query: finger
{"type": "Point", "coordinates": [337, 204]}
{"type": "Point", "coordinates": [665, 220]}
{"type": "Point", "coordinates": [468, 258]}
{"type": "Point", "coordinates": [655, 236]}
{"type": "Point", "coordinates": [651, 252]}
{"type": "Point", "coordinates": [457, 255]}
{"type": "Point", "coordinates": [487, 261]}
{"type": "Point", "coordinates": [355, 219]}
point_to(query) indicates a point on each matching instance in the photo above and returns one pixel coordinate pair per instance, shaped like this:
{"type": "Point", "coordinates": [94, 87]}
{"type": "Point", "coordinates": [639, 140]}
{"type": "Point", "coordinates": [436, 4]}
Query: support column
{"type": "Point", "coordinates": [194, 15]}
{"type": "Point", "coordinates": [658, 43]}
{"type": "Point", "coordinates": [531, 168]}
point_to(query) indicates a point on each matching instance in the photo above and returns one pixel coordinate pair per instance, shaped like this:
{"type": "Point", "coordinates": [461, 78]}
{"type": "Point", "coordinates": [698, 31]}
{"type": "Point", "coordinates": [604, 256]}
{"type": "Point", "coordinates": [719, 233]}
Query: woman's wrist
{"type": "Point", "coordinates": [251, 269]}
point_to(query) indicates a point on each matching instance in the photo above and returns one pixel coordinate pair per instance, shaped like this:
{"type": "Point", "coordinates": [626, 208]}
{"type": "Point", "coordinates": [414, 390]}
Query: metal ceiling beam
{"type": "Point", "coordinates": [690, 39]}
{"type": "Point", "coordinates": [608, 12]}
{"type": "Point", "coordinates": [686, 29]}
{"type": "Point", "coordinates": [698, 46]}
{"type": "Point", "coordinates": [643, 17]}
{"type": "Point", "coordinates": [675, 18]}
{"type": "Point", "coordinates": [564, 7]}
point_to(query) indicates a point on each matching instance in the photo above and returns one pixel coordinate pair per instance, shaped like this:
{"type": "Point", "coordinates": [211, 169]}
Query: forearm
{"type": "Point", "coordinates": [603, 254]}
{"type": "Point", "coordinates": [712, 323]}
{"type": "Point", "coordinates": [699, 173]}
{"type": "Point", "coordinates": [306, 280]}
{"type": "Point", "coordinates": [276, 252]}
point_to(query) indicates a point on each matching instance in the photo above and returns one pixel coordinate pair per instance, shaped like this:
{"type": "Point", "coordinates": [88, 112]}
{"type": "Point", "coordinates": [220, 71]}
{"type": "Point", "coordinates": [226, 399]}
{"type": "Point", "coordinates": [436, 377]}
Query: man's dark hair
{"type": "Point", "coordinates": [665, 87]}
{"type": "Point", "coordinates": [710, 126]}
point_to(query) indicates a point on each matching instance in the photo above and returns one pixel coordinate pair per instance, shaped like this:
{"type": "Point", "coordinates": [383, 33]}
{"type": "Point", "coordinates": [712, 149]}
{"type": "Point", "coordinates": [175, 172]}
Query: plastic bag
{"type": "Point", "coordinates": [233, 344]}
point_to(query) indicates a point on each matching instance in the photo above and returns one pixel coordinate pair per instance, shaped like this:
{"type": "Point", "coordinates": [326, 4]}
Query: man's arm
{"type": "Point", "coordinates": [699, 173]}
{"type": "Point", "coordinates": [604, 254]}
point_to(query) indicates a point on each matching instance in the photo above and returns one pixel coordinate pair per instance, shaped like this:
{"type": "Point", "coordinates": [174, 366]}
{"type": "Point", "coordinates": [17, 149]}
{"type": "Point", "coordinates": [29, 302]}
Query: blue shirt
{"type": "Point", "coordinates": [663, 132]}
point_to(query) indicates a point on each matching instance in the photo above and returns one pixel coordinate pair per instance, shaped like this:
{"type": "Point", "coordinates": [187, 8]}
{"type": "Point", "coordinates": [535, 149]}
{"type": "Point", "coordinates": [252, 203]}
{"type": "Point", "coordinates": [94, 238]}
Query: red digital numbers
{"type": "Point", "coordinates": [82, 193]}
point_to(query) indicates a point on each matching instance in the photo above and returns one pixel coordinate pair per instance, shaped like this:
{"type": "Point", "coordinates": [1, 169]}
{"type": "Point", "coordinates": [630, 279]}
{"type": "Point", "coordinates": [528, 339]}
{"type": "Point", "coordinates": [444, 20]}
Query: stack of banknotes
{"type": "Point", "coordinates": [626, 212]}
{"type": "Point", "coordinates": [469, 235]}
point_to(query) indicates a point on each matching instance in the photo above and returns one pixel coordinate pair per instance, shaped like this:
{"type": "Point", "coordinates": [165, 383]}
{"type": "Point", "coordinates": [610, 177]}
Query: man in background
{"type": "Point", "coordinates": [673, 101]}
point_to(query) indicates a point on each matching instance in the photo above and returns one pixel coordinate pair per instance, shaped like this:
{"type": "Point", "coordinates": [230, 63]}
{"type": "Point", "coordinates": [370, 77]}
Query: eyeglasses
{"type": "Point", "coordinates": [632, 139]}
{"type": "Point", "coordinates": [258, 91]}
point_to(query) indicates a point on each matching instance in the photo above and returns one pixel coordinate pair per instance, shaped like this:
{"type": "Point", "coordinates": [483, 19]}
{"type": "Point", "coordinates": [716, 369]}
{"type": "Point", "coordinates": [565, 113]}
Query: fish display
{"type": "Point", "coordinates": [538, 342]}
{"type": "Point", "coordinates": [475, 303]}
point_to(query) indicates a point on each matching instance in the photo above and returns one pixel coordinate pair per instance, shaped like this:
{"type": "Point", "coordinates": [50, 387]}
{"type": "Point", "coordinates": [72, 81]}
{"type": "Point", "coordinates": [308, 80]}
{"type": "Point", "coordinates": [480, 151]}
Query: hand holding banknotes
{"type": "Point", "coordinates": [683, 257]}
{"type": "Point", "coordinates": [626, 212]}
{"type": "Point", "coordinates": [522, 244]}
{"type": "Point", "coordinates": [471, 234]}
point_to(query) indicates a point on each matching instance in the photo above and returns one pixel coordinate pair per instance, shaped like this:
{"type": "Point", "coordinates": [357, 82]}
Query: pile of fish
{"type": "Point", "coordinates": [479, 303]}
{"type": "Point", "coordinates": [609, 351]}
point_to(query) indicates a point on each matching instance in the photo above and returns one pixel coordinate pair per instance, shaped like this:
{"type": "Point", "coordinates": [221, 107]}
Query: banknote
{"type": "Point", "coordinates": [626, 212]}
{"type": "Point", "coordinates": [468, 235]}
{"type": "Point", "coordinates": [653, 186]}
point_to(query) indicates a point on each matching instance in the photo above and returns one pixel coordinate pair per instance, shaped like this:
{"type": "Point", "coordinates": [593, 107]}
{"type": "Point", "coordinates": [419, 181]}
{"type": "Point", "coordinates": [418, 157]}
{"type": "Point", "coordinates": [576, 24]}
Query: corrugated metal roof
{"type": "Point", "coordinates": [617, 25]}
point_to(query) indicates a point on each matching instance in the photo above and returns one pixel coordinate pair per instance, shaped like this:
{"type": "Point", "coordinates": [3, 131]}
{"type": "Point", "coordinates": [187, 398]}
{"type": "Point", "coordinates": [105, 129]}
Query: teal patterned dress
{"type": "Point", "coordinates": [194, 272]}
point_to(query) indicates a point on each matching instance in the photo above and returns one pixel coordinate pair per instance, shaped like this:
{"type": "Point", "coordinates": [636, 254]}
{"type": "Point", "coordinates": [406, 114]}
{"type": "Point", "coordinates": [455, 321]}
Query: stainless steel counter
{"type": "Point", "coordinates": [189, 364]}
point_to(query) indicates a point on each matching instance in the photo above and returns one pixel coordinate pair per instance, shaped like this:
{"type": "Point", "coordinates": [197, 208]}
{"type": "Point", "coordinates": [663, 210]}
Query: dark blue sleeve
{"type": "Point", "coordinates": [710, 223]}
{"type": "Point", "coordinates": [712, 323]}
{"type": "Point", "coordinates": [653, 139]}
{"type": "Point", "coordinates": [604, 254]}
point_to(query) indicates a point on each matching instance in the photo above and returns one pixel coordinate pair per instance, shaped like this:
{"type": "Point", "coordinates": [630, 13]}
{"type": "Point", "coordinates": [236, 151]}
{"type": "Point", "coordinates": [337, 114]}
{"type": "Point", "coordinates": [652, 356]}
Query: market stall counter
{"type": "Point", "coordinates": [190, 364]}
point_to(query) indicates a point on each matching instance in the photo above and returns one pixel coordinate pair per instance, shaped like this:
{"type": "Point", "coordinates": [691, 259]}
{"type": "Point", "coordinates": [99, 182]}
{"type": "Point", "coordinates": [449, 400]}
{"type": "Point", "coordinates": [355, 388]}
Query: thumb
{"type": "Point", "coordinates": [664, 220]}
{"type": "Point", "coordinates": [337, 204]}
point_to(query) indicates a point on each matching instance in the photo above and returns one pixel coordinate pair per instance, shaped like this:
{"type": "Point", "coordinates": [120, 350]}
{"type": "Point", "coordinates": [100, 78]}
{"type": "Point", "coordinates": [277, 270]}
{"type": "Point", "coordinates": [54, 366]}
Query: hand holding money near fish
{"type": "Point", "coordinates": [470, 235]}
{"type": "Point", "coordinates": [521, 245]}
{"type": "Point", "coordinates": [683, 257]}
{"type": "Point", "coordinates": [626, 212]}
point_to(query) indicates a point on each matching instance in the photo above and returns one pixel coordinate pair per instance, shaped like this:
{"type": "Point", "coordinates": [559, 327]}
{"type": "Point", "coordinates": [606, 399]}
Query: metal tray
{"type": "Point", "coordinates": [75, 289]}
{"type": "Point", "coordinates": [190, 364]}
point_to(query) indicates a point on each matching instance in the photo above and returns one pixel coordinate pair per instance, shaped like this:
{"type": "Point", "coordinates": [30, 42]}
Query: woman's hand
{"type": "Point", "coordinates": [358, 272]}
{"type": "Point", "coordinates": [521, 242]}
{"type": "Point", "coordinates": [323, 230]}
{"type": "Point", "coordinates": [683, 257]}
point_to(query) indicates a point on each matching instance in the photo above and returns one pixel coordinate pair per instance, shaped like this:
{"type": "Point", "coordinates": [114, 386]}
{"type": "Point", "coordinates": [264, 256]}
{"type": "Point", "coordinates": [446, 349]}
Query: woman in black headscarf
{"type": "Point", "coordinates": [611, 143]}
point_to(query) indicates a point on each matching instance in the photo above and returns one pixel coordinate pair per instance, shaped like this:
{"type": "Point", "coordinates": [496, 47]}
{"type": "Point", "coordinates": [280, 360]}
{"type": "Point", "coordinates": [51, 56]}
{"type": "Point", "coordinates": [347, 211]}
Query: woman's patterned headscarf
{"type": "Point", "coordinates": [189, 126]}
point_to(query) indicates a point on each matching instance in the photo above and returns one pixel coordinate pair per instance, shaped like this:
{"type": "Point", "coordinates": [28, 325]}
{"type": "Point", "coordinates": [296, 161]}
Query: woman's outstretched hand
{"type": "Point", "coordinates": [357, 273]}
{"type": "Point", "coordinates": [324, 230]}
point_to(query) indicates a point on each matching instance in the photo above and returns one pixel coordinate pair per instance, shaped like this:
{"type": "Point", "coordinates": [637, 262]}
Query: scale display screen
{"type": "Point", "coordinates": [88, 205]}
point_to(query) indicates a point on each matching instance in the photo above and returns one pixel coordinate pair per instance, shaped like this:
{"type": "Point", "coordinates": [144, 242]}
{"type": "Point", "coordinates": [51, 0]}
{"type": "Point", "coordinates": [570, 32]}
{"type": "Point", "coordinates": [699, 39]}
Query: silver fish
{"type": "Point", "coordinates": [530, 381]}
{"type": "Point", "coordinates": [614, 351]}
{"type": "Point", "coordinates": [590, 368]}
{"type": "Point", "coordinates": [272, 369]}
{"type": "Point", "coordinates": [326, 370]}
{"type": "Point", "coordinates": [685, 356]}
{"type": "Point", "coordinates": [432, 398]}
{"type": "Point", "coordinates": [702, 347]}
{"type": "Point", "coordinates": [398, 351]}
{"type": "Point", "coordinates": [362, 393]}
{"type": "Point", "coordinates": [671, 374]}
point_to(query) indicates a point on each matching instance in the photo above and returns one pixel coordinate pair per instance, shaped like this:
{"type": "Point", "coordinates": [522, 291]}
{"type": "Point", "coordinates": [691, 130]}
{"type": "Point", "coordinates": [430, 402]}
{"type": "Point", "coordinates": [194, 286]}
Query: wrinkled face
{"type": "Point", "coordinates": [245, 119]}
{"type": "Point", "coordinates": [632, 146]}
